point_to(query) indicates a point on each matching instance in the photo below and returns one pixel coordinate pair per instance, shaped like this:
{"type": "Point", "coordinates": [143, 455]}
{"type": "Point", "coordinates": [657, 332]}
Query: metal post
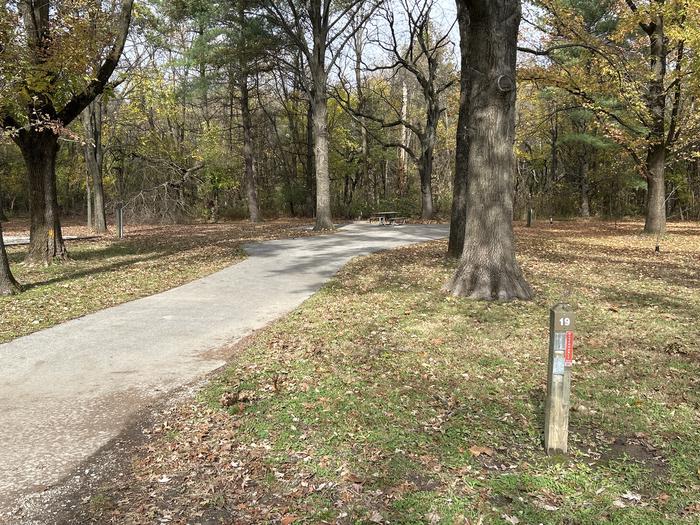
{"type": "Point", "coordinates": [561, 354]}
{"type": "Point", "coordinates": [120, 221]}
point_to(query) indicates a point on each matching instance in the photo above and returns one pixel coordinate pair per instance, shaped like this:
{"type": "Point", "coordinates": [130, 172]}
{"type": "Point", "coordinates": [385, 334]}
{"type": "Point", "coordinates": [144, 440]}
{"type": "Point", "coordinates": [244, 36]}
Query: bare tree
{"type": "Point", "coordinates": [92, 125]}
{"type": "Point", "coordinates": [320, 29]}
{"type": "Point", "coordinates": [420, 54]}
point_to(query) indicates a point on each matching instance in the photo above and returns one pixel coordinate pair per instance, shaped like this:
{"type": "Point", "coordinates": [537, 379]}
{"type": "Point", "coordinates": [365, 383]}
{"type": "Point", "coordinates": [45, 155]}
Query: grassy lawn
{"type": "Point", "coordinates": [107, 271]}
{"type": "Point", "coordinates": [382, 400]}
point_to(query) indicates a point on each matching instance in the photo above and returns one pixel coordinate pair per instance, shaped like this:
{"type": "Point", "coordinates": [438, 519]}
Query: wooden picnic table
{"type": "Point", "coordinates": [387, 217]}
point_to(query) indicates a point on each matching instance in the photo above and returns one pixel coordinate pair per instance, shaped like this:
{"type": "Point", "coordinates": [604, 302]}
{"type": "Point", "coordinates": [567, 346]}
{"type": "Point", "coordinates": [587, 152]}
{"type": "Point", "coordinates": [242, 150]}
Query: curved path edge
{"type": "Point", "coordinates": [67, 391]}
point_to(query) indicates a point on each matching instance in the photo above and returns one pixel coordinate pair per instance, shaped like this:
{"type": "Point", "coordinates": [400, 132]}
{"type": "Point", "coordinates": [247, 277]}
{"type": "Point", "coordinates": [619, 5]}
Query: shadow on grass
{"type": "Point", "coordinates": [89, 272]}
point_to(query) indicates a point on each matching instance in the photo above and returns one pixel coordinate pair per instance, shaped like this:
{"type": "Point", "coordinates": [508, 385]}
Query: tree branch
{"type": "Point", "coordinates": [80, 101]}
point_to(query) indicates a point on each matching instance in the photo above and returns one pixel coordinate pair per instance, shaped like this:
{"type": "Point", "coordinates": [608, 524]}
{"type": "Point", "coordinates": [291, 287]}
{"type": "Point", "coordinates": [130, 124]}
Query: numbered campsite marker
{"type": "Point", "coordinates": [562, 322]}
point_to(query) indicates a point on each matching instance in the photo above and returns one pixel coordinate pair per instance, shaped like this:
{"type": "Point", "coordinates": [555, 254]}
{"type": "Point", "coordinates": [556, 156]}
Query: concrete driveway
{"type": "Point", "coordinates": [66, 391]}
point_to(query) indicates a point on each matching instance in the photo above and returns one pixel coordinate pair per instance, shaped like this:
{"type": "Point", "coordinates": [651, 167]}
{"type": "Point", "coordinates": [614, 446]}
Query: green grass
{"type": "Point", "coordinates": [369, 397]}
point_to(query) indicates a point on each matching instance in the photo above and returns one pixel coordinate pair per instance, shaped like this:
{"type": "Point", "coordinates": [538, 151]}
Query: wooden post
{"type": "Point", "coordinates": [530, 213]}
{"type": "Point", "coordinates": [561, 353]}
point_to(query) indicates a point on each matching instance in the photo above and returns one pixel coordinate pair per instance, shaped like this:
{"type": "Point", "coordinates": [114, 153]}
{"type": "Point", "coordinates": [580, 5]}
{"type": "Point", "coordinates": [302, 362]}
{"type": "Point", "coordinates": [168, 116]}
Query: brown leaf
{"type": "Point", "coordinates": [352, 478]}
{"type": "Point", "coordinates": [288, 519]}
{"type": "Point", "coordinates": [228, 399]}
{"type": "Point", "coordinates": [477, 451]}
{"type": "Point", "coordinates": [246, 395]}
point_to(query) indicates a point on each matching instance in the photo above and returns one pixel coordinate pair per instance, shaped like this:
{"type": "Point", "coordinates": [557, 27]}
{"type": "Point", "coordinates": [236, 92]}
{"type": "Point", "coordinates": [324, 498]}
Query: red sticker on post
{"type": "Point", "coordinates": [569, 349]}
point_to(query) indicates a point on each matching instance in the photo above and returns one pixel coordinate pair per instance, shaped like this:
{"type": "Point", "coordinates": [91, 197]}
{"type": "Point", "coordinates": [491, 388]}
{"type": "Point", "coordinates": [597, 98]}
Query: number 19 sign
{"type": "Point", "coordinates": [561, 358]}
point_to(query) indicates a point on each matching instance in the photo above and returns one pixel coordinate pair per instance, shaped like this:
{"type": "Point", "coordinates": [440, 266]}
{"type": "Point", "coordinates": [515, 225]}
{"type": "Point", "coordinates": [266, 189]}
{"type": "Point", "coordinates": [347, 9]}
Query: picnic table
{"type": "Point", "coordinates": [387, 217]}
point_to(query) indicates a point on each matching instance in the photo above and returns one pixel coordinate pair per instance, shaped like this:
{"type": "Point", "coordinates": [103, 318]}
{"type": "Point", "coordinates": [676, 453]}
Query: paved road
{"type": "Point", "coordinates": [22, 240]}
{"type": "Point", "coordinates": [66, 391]}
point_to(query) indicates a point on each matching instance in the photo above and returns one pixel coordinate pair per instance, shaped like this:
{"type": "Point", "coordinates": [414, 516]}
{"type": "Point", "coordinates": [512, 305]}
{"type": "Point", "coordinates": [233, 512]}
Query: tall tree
{"type": "Point", "coordinates": [652, 23]}
{"type": "Point", "coordinates": [487, 268]}
{"type": "Point", "coordinates": [251, 45]}
{"type": "Point", "coordinates": [631, 63]}
{"type": "Point", "coordinates": [459, 188]}
{"type": "Point", "coordinates": [92, 126]}
{"type": "Point", "coordinates": [422, 58]}
{"type": "Point", "coordinates": [320, 30]}
{"type": "Point", "coordinates": [58, 81]}
{"type": "Point", "coordinates": [359, 41]}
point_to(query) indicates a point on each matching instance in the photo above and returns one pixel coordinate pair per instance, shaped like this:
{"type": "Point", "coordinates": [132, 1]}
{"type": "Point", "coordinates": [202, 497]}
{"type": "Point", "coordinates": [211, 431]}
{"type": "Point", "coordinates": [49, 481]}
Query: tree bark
{"type": "Point", "coordinates": [656, 152]}
{"type": "Point", "coordinates": [488, 269]}
{"type": "Point", "coordinates": [585, 188]}
{"type": "Point", "coordinates": [459, 189]}
{"type": "Point", "coordinates": [248, 156]}
{"type": "Point", "coordinates": [39, 148]}
{"type": "Point", "coordinates": [425, 171]}
{"type": "Point", "coordinates": [92, 123]}
{"type": "Point", "coordinates": [425, 161]}
{"type": "Point", "coordinates": [310, 163]}
{"type": "Point", "coordinates": [656, 191]}
{"type": "Point", "coordinates": [8, 284]}
{"type": "Point", "coordinates": [324, 221]}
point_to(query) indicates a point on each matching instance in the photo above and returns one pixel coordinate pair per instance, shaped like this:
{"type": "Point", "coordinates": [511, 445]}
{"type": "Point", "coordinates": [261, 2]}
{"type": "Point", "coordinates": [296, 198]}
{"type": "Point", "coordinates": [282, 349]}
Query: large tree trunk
{"type": "Point", "coordinates": [246, 121]}
{"type": "Point", "coordinates": [488, 269]}
{"type": "Point", "coordinates": [324, 221]}
{"type": "Point", "coordinates": [8, 285]}
{"type": "Point", "coordinates": [656, 193]}
{"type": "Point", "coordinates": [310, 163]}
{"type": "Point", "coordinates": [39, 149]}
{"type": "Point", "coordinates": [656, 151]}
{"type": "Point", "coordinates": [459, 190]}
{"type": "Point", "coordinates": [425, 171]}
{"type": "Point", "coordinates": [92, 123]}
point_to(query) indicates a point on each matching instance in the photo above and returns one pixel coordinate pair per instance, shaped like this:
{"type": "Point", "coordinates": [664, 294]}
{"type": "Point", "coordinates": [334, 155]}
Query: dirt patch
{"type": "Point", "coordinates": [638, 449]}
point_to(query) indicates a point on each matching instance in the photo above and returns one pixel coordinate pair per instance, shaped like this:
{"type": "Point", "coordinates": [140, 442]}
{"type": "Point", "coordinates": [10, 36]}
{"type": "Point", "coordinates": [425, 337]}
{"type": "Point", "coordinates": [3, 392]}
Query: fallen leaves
{"type": "Point", "coordinates": [238, 397]}
{"type": "Point", "coordinates": [477, 451]}
{"type": "Point", "coordinates": [355, 411]}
